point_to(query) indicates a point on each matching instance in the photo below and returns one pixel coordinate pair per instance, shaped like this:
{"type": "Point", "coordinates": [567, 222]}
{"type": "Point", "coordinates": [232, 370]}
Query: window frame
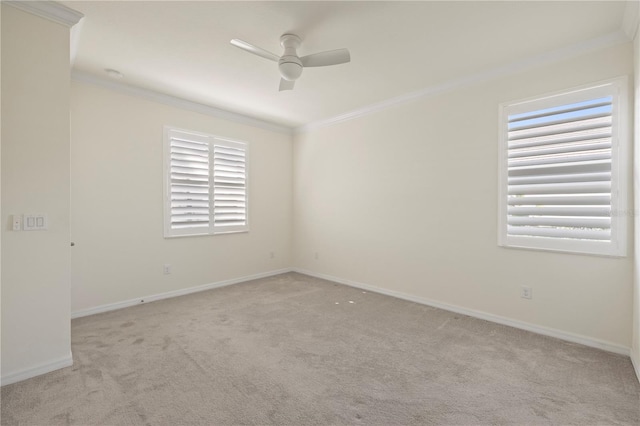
{"type": "Point", "coordinates": [617, 88]}
{"type": "Point", "coordinates": [211, 229]}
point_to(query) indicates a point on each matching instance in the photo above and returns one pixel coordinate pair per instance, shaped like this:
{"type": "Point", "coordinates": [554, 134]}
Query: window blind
{"type": "Point", "coordinates": [189, 181]}
{"type": "Point", "coordinates": [559, 171]}
{"type": "Point", "coordinates": [206, 189]}
{"type": "Point", "coordinates": [229, 186]}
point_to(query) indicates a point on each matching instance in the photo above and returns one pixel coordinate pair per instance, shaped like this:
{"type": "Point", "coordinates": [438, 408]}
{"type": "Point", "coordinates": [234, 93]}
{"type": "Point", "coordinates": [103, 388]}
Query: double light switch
{"type": "Point", "coordinates": [30, 222]}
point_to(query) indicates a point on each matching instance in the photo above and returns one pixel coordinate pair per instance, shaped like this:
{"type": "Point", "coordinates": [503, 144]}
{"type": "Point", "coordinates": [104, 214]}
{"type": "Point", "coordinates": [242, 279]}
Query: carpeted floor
{"type": "Point", "coordinates": [295, 350]}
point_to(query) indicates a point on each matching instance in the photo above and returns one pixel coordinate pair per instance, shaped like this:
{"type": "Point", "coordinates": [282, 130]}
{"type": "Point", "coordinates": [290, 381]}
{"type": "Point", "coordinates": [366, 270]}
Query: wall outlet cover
{"type": "Point", "coordinates": [526, 292]}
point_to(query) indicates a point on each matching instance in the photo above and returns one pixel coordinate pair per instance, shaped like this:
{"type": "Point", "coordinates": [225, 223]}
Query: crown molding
{"type": "Point", "coordinates": [557, 55]}
{"type": "Point", "coordinates": [74, 41]}
{"type": "Point", "coordinates": [50, 10]}
{"type": "Point", "coordinates": [162, 98]}
{"type": "Point", "coordinates": [631, 18]}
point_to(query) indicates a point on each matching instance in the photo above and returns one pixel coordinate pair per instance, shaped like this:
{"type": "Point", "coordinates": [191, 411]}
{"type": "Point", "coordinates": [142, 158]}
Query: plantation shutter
{"type": "Point", "coordinates": [229, 186]}
{"type": "Point", "coordinates": [559, 171]}
{"type": "Point", "coordinates": [189, 185]}
{"type": "Point", "coordinates": [205, 184]}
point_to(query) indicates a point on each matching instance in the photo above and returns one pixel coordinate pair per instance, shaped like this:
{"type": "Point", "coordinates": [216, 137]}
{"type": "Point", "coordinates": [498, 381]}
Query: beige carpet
{"type": "Point", "coordinates": [295, 350]}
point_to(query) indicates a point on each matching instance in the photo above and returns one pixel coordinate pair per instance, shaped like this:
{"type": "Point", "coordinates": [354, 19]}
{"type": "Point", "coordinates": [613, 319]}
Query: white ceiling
{"type": "Point", "coordinates": [182, 48]}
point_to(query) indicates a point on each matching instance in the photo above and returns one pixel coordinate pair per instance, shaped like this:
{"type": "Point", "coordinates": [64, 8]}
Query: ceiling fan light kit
{"type": "Point", "coordinates": [290, 64]}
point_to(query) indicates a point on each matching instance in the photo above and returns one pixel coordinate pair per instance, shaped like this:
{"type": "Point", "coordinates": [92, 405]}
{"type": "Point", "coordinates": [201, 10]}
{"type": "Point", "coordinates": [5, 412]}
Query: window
{"type": "Point", "coordinates": [205, 184]}
{"type": "Point", "coordinates": [563, 171]}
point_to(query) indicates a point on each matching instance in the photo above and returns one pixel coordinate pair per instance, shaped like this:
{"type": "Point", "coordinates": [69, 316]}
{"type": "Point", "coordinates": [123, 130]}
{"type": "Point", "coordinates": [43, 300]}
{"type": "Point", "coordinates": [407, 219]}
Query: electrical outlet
{"type": "Point", "coordinates": [167, 269]}
{"type": "Point", "coordinates": [526, 292]}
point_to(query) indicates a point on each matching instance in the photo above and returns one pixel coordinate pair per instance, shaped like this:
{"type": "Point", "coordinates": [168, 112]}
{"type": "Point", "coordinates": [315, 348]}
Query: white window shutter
{"type": "Point", "coordinates": [563, 172]}
{"type": "Point", "coordinates": [229, 186]}
{"type": "Point", "coordinates": [206, 188]}
{"type": "Point", "coordinates": [189, 182]}
{"type": "Point", "coordinates": [559, 172]}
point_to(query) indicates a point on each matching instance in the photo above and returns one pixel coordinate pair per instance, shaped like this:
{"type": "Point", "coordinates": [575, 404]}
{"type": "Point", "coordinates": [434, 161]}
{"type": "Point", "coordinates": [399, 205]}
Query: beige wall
{"type": "Point", "coordinates": [635, 347]}
{"type": "Point", "coordinates": [406, 200]}
{"type": "Point", "coordinates": [117, 203]}
{"type": "Point", "coordinates": [35, 179]}
{"type": "Point", "coordinates": [0, 184]}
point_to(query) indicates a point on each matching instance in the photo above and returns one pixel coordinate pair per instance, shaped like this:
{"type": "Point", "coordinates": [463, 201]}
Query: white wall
{"type": "Point", "coordinates": [117, 210]}
{"type": "Point", "coordinates": [0, 183]}
{"type": "Point", "coordinates": [35, 179]}
{"type": "Point", "coordinates": [406, 200]}
{"type": "Point", "coordinates": [635, 346]}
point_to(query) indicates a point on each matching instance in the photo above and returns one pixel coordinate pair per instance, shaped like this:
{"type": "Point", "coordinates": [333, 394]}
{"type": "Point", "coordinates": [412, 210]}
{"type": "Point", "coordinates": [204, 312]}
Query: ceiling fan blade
{"type": "Point", "coordinates": [255, 50]}
{"type": "Point", "coordinates": [286, 84]}
{"type": "Point", "coordinates": [330, 57]}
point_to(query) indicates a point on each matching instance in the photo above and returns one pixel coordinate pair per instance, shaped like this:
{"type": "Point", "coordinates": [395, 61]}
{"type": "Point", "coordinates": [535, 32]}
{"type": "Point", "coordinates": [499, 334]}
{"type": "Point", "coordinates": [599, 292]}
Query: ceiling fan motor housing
{"type": "Point", "coordinates": [289, 64]}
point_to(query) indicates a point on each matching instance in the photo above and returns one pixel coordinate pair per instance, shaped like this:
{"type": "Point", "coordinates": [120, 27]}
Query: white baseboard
{"type": "Point", "coordinates": [174, 293]}
{"type": "Point", "coordinates": [551, 332]}
{"type": "Point", "coordinates": [636, 364]}
{"type": "Point", "coordinates": [28, 373]}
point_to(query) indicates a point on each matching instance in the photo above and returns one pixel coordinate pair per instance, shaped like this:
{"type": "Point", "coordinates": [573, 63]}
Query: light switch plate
{"type": "Point", "coordinates": [34, 222]}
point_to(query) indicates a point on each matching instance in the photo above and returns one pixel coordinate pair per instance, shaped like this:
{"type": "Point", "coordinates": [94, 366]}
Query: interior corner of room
{"type": "Point", "coordinates": [394, 190]}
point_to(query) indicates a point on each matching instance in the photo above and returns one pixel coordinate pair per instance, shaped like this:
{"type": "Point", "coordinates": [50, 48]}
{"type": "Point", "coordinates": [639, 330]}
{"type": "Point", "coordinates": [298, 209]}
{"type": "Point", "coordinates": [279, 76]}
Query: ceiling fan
{"type": "Point", "coordinates": [290, 64]}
